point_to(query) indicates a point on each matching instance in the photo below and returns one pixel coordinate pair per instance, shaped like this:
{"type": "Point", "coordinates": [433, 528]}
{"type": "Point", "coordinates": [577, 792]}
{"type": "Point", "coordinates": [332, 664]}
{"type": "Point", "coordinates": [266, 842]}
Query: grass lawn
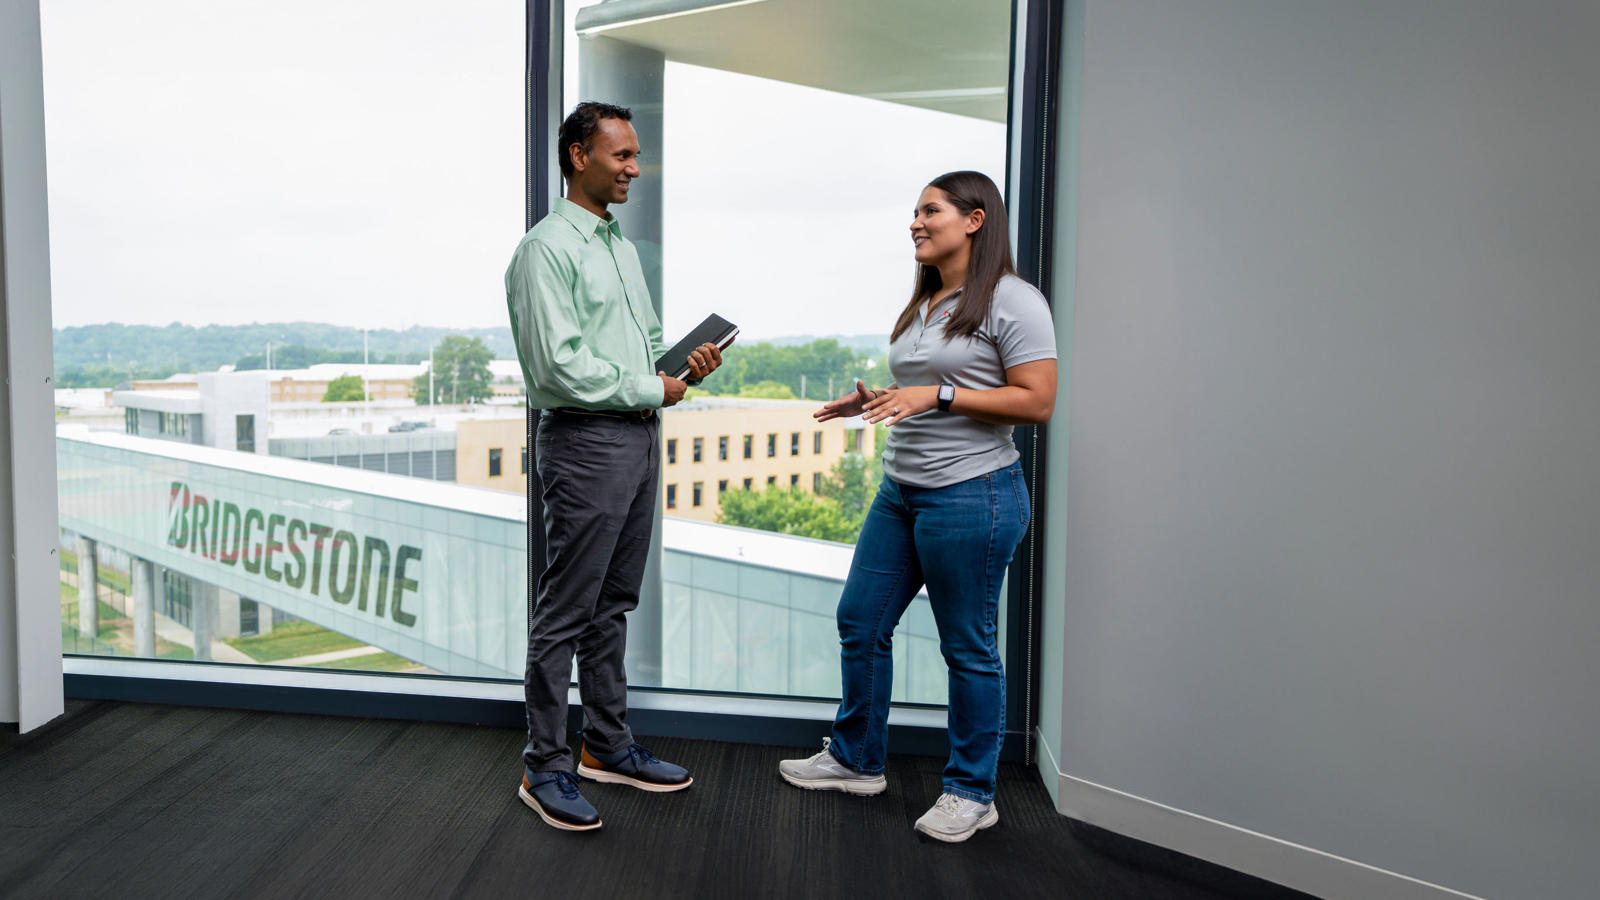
{"type": "Point", "coordinates": [110, 618]}
{"type": "Point", "coordinates": [375, 662]}
{"type": "Point", "coordinates": [108, 577]}
{"type": "Point", "coordinates": [293, 639]}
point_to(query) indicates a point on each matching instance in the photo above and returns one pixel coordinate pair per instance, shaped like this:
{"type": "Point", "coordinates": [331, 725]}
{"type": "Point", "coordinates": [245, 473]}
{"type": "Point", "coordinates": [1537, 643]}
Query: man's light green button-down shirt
{"type": "Point", "coordinates": [586, 333]}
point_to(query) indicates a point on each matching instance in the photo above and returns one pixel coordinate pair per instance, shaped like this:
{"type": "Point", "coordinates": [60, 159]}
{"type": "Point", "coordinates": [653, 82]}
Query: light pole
{"type": "Point", "coordinates": [366, 387]}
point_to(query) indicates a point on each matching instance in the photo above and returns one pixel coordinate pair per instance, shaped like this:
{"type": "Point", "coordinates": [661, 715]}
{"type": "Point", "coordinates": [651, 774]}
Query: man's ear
{"type": "Point", "coordinates": [578, 156]}
{"type": "Point", "coordinates": [974, 221]}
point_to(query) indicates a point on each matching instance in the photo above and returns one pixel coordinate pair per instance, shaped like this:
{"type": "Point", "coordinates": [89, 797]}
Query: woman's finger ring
{"type": "Point", "coordinates": [896, 410]}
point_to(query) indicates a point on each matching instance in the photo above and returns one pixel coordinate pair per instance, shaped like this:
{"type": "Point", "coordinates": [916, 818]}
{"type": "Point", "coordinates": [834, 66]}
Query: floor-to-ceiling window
{"type": "Point", "coordinates": [277, 236]}
{"type": "Point", "coordinates": [783, 148]}
{"type": "Point", "coordinates": [286, 375]}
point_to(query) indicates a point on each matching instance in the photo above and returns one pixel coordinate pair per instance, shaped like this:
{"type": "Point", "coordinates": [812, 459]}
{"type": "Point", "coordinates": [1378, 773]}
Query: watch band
{"type": "Point", "coordinates": [947, 396]}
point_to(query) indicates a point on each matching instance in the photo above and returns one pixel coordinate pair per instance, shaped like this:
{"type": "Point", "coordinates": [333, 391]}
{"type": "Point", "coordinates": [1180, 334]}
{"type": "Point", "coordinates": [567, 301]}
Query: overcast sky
{"type": "Point", "coordinates": [362, 164]}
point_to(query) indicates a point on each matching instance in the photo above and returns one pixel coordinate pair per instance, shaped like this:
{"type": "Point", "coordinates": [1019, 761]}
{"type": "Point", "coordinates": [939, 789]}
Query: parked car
{"type": "Point", "coordinates": [410, 426]}
{"type": "Point", "coordinates": [340, 431]}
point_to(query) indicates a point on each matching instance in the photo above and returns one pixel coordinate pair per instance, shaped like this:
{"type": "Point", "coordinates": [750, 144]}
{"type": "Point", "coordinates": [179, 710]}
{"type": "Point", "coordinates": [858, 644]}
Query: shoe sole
{"type": "Point", "coordinates": [988, 821]}
{"type": "Point", "coordinates": [867, 788]}
{"type": "Point", "coordinates": [550, 820]}
{"type": "Point", "coordinates": [604, 776]}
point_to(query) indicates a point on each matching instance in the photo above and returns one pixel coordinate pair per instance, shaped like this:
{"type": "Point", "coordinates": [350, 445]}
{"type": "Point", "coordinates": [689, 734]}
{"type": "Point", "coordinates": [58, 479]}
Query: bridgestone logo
{"type": "Point", "coordinates": [293, 552]}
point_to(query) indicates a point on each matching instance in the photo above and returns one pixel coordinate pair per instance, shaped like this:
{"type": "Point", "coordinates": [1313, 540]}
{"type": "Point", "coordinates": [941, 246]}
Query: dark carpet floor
{"type": "Point", "coordinates": [130, 800]}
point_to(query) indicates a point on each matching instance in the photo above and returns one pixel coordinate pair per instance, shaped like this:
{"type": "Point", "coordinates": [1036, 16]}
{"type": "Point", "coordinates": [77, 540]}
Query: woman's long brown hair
{"type": "Point", "coordinates": [989, 262]}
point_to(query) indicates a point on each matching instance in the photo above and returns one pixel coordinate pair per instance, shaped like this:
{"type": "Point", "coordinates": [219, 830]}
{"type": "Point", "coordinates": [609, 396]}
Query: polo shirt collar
{"type": "Point", "coordinates": [587, 223]}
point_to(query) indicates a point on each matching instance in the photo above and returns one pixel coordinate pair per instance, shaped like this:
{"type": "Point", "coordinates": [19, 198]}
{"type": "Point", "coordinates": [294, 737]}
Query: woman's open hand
{"type": "Point", "coordinates": [899, 403]}
{"type": "Point", "coordinates": [849, 405]}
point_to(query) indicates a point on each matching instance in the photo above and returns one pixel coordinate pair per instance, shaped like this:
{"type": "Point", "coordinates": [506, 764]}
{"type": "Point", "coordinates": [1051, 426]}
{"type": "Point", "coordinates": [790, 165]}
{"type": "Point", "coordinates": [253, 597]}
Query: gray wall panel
{"type": "Point", "coordinates": [1331, 566]}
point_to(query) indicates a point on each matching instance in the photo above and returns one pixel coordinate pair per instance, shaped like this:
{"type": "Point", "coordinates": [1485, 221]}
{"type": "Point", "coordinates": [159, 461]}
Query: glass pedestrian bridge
{"type": "Point", "coordinates": [436, 572]}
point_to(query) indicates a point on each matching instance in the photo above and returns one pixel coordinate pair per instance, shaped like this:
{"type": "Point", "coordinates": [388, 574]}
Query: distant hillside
{"type": "Point", "coordinates": [870, 343]}
{"type": "Point", "coordinates": [110, 354]}
{"type": "Point", "coordinates": [105, 355]}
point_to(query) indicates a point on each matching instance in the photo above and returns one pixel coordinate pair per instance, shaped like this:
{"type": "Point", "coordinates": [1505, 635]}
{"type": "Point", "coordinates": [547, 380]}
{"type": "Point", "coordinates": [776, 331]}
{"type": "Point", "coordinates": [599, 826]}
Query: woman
{"type": "Point", "coordinates": [973, 353]}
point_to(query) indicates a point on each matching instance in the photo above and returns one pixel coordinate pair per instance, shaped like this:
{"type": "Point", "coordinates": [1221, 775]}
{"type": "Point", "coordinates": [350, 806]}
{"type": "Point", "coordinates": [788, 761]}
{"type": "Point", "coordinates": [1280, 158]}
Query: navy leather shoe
{"type": "Point", "coordinates": [557, 800]}
{"type": "Point", "coordinates": [634, 766]}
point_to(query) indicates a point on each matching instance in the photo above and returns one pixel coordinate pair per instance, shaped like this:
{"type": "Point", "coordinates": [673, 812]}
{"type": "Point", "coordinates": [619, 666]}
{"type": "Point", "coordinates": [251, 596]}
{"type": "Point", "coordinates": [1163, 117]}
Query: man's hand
{"type": "Point", "coordinates": [671, 389]}
{"type": "Point", "coordinates": [703, 360]}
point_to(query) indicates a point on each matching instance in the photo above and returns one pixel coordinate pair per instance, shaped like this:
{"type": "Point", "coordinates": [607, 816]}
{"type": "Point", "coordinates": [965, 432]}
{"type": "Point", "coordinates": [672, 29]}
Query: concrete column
{"type": "Point", "coordinates": [613, 71]}
{"type": "Point", "coordinates": [144, 579]}
{"type": "Point", "coordinates": [88, 588]}
{"type": "Point", "coordinates": [227, 609]}
{"type": "Point", "coordinates": [263, 618]}
{"type": "Point", "coordinates": [202, 616]}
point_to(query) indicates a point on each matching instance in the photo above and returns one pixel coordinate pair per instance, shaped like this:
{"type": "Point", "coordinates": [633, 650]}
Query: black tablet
{"type": "Point", "coordinates": [714, 330]}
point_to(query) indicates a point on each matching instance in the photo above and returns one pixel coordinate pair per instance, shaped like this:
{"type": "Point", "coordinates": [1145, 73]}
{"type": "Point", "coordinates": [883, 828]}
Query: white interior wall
{"type": "Point", "coordinates": [30, 612]}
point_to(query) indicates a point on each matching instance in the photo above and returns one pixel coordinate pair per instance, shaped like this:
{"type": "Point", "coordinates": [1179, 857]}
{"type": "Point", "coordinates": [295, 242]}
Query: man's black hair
{"type": "Point", "coordinates": [580, 127]}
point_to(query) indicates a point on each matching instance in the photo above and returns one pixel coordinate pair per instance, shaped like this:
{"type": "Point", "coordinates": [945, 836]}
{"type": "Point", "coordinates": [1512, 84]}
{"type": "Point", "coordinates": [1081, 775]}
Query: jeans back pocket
{"type": "Point", "coordinates": [1019, 485]}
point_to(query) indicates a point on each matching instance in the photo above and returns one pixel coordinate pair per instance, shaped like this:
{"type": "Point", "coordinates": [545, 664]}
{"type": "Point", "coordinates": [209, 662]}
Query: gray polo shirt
{"type": "Point", "coordinates": [938, 449]}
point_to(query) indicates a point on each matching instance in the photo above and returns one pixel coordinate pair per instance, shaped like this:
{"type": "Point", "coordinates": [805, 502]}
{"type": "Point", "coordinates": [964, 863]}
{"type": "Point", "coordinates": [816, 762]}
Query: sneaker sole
{"type": "Point", "coordinates": [550, 820]}
{"type": "Point", "coordinates": [861, 788]}
{"type": "Point", "coordinates": [617, 778]}
{"type": "Point", "coordinates": [988, 821]}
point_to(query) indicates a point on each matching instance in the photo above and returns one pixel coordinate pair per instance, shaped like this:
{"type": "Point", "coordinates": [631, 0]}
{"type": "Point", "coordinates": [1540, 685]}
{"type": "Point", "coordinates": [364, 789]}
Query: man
{"type": "Point", "coordinates": [588, 339]}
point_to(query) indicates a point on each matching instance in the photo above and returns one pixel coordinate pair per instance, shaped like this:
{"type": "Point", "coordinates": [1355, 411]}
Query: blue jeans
{"type": "Point", "coordinates": [958, 540]}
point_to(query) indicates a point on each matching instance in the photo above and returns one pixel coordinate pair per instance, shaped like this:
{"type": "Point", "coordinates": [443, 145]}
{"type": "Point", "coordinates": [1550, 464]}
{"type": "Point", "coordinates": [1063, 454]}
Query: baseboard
{"type": "Point", "coordinates": [1240, 849]}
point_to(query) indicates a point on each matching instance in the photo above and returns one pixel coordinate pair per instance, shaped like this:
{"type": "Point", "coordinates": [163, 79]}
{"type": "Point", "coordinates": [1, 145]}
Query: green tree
{"type": "Point", "coordinates": [460, 373]}
{"type": "Point", "coordinates": [343, 389]}
{"type": "Point", "coordinates": [811, 366]}
{"type": "Point", "coordinates": [769, 390]}
{"type": "Point", "coordinates": [787, 510]}
{"type": "Point", "coordinates": [851, 485]}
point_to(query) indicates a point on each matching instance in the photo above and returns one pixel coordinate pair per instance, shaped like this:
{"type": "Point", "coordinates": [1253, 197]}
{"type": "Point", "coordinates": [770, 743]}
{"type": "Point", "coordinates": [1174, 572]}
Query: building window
{"type": "Point", "coordinates": [672, 451]}
{"type": "Point", "coordinates": [748, 482]}
{"type": "Point", "coordinates": [249, 617]}
{"type": "Point", "coordinates": [699, 492]}
{"type": "Point", "coordinates": [524, 460]}
{"type": "Point", "coordinates": [175, 424]}
{"type": "Point", "coordinates": [772, 444]}
{"type": "Point", "coordinates": [816, 442]}
{"type": "Point", "coordinates": [672, 496]}
{"type": "Point", "coordinates": [772, 480]}
{"type": "Point", "coordinates": [749, 441]}
{"type": "Point", "coordinates": [699, 451]}
{"type": "Point", "coordinates": [852, 441]}
{"type": "Point", "coordinates": [494, 462]}
{"type": "Point", "coordinates": [722, 448]}
{"type": "Point", "coordinates": [794, 444]}
{"type": "Point", "coordinates": [244, 434]}
{"type": "Point", "coordinates": [722, 486]}
{"type": "Point", "coordinates": [794, 480]}
{"type": "Point", "coordinates": [816, 482]}
{"type": "Point", "coordinates": [130, 420]}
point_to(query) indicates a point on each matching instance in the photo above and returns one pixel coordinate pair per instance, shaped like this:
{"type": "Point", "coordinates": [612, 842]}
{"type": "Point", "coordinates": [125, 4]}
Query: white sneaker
{"type": "Point", "coordinates": [953, 819]}
{"type": "Point", "coordinates": [824, 773]}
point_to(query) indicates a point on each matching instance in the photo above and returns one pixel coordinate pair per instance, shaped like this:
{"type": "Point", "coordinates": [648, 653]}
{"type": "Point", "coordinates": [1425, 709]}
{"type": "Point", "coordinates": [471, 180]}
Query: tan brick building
{"type": "Point", "coordinates": [709, 445]}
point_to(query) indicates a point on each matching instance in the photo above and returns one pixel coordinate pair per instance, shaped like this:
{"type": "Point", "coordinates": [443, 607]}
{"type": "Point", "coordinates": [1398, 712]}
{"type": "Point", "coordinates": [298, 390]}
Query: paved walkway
{"type": "Point", "coordinates": [330, 656]}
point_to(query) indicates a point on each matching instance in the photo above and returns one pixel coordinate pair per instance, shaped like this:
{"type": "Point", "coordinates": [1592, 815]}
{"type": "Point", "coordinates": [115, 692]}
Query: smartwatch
{"type": "Point", "coordinates": [947, 396]}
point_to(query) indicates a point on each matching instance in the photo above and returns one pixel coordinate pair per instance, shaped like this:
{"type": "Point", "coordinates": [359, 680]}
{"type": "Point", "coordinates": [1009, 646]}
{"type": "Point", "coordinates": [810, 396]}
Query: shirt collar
{"type": "Point", "coordinates": [587, 223]}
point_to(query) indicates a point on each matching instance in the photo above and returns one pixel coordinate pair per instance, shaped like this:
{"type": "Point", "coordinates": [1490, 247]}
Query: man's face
{"type": "Point", "coordinates": [603, 173]}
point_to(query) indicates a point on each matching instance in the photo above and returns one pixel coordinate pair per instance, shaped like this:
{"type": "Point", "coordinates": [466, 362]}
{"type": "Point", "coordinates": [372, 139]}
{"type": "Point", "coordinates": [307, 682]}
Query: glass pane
{"type": "Point", "coordinates": [265, 219]}
{"type": "Point", "coordinates": [784, 147]}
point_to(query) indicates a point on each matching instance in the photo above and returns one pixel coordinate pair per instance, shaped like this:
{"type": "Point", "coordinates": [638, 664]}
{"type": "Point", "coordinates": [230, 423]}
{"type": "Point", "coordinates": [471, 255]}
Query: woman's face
{"type": "Point", "coordinates": [940, 231]}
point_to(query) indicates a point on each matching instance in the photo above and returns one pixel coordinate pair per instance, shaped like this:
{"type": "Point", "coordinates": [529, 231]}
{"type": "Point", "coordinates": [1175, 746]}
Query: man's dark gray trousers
{"type": "Point", "coordinates": [600, 477]}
